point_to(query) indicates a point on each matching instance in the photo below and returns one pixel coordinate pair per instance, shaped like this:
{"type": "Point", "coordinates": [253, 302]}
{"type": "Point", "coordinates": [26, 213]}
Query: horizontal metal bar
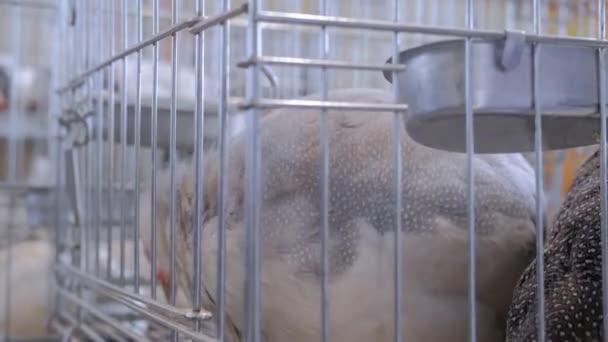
{"type": "Point", "coordinates": [200, 23]}
{"type": "Point", "coordinates": [95, 312]}
{"type": "Point", "coordinates": [37, 339]}
{"type": "Point", "coordinates": [58, 328]}
{"type": "Point", "coordinates": [24, 187]}
{"type": "Point", "coordinates": [131, 301]}
{"type": "Point", "coordinates": [320, 63]}
{"type": "Point", "coordinates": [185, 120]}
{"type": "Point", "coordinates": [33, 4]}
{"type": "Point", "coordinates": [94, 282]}
{"type": "Point", "coordinates": [220, 18]}
{"type": "Point", "coordinates": [78, 80]}
{"type": "Point", "coordinates": [180, 328]}
{"type": "Point", "coordinates": [366, 24]}
{"type": "Point", "coordinates": [310, 104]}
{"type": "Point", "coordinates": [84, 327]}
{"type": "Point", "coordinates": [390, 26]}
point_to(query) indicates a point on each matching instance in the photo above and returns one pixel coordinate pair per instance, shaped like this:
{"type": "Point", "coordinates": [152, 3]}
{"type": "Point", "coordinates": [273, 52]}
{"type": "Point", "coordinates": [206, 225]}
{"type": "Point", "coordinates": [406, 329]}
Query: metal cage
{"type": "Point", "coordinates": [193, 166]}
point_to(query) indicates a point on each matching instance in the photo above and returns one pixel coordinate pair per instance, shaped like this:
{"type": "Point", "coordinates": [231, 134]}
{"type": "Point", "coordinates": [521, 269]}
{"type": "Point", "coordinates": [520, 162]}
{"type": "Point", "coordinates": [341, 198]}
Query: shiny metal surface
{"type": "Point", "coordinates": [432, 86]}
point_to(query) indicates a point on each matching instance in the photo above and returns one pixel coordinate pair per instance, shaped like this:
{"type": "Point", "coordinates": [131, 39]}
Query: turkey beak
{"type": "Point", "coordinates": [163, 279]}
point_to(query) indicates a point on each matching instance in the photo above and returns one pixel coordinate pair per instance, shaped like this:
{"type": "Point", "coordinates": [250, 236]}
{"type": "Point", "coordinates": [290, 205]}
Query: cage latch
{"type": "Point", "coordinates": [512, 51]}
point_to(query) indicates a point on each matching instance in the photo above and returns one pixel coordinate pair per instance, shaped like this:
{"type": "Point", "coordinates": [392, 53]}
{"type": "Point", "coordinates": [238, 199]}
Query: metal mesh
{"type": "Point", "coordinates": [252, 171]}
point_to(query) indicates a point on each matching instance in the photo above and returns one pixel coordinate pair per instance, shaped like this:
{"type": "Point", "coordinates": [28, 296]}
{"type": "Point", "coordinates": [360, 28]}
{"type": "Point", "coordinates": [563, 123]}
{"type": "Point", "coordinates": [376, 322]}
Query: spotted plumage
{"type": "Point", "coordinates": [361, 230]}
{"type": "Point", "coordinates": [573, 274]}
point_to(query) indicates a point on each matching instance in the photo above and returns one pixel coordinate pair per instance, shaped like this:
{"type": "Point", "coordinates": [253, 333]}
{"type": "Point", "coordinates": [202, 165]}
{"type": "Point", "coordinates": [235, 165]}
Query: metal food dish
{"type": "Point", "coordinates": [432, 85]}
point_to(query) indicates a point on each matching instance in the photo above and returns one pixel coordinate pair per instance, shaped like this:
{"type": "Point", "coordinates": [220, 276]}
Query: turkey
{"type": "Point", "coordinates": [184, 191]}
{"type": "Point", "coordinates": [361, 222]}
{"type": "Point", "coordinates": [163, 236]}
{"type": "Point", "coordinates": [573, 270]}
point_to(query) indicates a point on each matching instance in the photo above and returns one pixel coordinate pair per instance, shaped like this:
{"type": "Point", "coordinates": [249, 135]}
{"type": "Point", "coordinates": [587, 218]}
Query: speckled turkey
{"type": "Point", "coordinates": [573, 270]}
{"type": "Point", "coordinates": [362, 217]}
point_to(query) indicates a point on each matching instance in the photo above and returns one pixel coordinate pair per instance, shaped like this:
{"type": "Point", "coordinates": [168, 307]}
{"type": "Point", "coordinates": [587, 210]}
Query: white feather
{"type": "Point", "coordinates": [435, 253]}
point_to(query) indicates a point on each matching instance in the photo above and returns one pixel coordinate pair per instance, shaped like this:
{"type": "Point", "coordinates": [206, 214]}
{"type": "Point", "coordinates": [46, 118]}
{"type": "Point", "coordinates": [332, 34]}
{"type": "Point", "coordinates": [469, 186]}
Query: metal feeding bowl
{"type": "Point", "coordinates": [433, 86]}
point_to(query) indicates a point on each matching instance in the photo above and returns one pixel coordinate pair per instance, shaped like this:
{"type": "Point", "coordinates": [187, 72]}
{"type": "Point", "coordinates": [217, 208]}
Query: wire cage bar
{"type": "Point", "coordinates": [272, 170]}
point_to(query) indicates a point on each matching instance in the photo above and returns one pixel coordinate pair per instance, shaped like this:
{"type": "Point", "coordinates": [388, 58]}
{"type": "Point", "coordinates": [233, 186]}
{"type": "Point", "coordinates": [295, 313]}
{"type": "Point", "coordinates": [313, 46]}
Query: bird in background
{"type": "Point", "coordinates": [30, 278]}
{"type": "Point", "coordinates": [361, 216]}
{"type": "Point", "coordinates": [572, 270]}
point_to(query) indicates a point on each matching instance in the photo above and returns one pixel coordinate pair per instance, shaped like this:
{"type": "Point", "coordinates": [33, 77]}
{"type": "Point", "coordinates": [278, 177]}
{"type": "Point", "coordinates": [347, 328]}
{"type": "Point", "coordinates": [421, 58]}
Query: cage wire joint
{"type": "Point", "coordinates": [266, 70]}
{"type": "Point", "coordinates": [76, 126]}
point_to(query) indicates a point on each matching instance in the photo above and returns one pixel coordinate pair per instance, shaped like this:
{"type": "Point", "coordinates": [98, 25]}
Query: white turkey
{"type": "Point", "coordinates": [361, 223]}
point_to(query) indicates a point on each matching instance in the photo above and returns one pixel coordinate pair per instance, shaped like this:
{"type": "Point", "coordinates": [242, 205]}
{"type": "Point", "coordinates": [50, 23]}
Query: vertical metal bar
{"type": "Point", "coordinates": [420, 7]}
{"type": "Point", "coordinates": [84, 150]}
{"type": "Point", "coordinates": [359, 44]}
{"type": "Point", "coordinates": [172, 160]}
{"type": "Point", "coordinates": [53, 148]}
{"type": "Point", "coordinates": [224, 59]}
{"type": "Point", "coordinates": [601, 7]}
{"type": "Point", "coordinates": [85, 234]}
{"type": "Point", "coordinates": [59, 218]}
{"type": "Point", "coordinates": [7, 288]}
{"type": "Point", "coordinates": [199, 124]}
{"type": "Point", "coordinates": [100, 161]}
{"type": "Point", "coordinates": [55, 143]}
{"type": "Point", "coordinates": [91, 83]}
{"type": "Point", "coordinates": [99, 168]}
{"type": "Point", "coordinates": [61, 221]}
{"type": "Point", "coordinates": [155, 52]}
{"type": "Point", "coordinates": [449, 13]}
{"type": "Point", "coordinates": [9, 267]}
{"type": "Point", "coordinates": [579, 14]}
{"type": "Point", "coordinates": [297, 74]}
{"type": "Point", "coordinates": [111, 130]}
{"type": "Point", "coordinates": [562, 18]}
{"type": "Point", "coordinates": [325, 203]}
{"type": "Point", "coordinates": [173, 152]}
{"type": "Point", "coordinates": [540, 275]}
{"type": "Point", "coordinates": [83, 228]}
{"type": "Point", "coordinates": [91, 91]}
{"type": "Point", "coordinates": [589, 15]}
{"type": "Point", "coordinates": [137, 147]}
{"type": "Point", "coordinates": [470, 144]}
{"type": "Point", "coordinates": [434, 12]}
{"type": "Point", "coordinates": [8, 280]}
{"type": "Point", "coordinates": [398, 167]}
{"type": "Point", "coordinates": [123, 141]}
{"type": "Point", "coordinates": [510, 15]}
{"type": "Point", "coordinates": [76, 247]}
{"type": "Point", "coordinates": [93, 169]}
{"type": "Point", "coordinates": [12, 107]}
{"type": "Point", "coordinates": [100, 150]}
{"type": "Point", "coordinates": [252, 181]}
{"type": "Point", "coordinates": [15, 94]}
